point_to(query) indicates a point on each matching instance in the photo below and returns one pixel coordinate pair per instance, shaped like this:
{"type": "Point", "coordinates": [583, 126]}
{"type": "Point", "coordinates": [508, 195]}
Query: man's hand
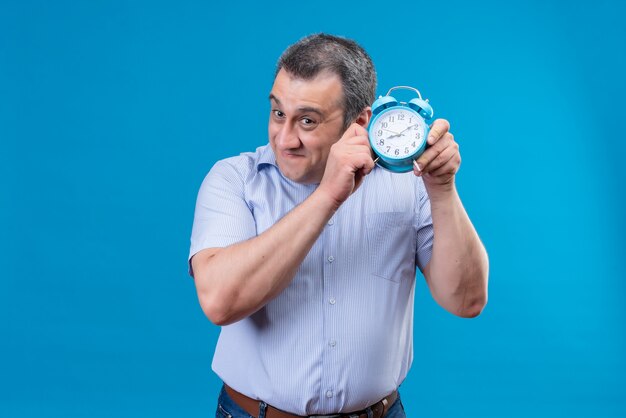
{"type": "Point", "coordinates": [349, 161]}
{"type": "Point", "coordinates": [440, 162]}
{"type": "Point", "coordinates": [458, 271]}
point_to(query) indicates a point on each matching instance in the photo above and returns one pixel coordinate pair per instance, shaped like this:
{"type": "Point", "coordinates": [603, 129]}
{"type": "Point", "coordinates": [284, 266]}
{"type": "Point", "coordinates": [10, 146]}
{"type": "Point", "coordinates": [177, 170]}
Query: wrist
{"type": "Point", "coordinates": [325, 202]}
{"type": "Point", "coordinates": [326, 199]}
{"type": "Point", "coordinates": [441, 194]}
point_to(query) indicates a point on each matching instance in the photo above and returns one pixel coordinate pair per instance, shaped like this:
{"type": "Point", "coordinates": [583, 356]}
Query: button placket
{"type": "Point", "coordinates": [329, 379]}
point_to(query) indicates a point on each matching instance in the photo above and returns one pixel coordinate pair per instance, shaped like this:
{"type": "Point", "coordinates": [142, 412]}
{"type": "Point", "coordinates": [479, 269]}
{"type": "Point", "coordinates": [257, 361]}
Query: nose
{"type": "Point", "coordinates": [287, 137]}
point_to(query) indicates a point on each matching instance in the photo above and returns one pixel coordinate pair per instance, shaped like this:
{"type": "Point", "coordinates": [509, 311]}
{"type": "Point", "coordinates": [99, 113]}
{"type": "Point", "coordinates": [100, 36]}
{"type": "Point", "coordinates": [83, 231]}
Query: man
{"type": "Point", "coordinates": [305, 251]}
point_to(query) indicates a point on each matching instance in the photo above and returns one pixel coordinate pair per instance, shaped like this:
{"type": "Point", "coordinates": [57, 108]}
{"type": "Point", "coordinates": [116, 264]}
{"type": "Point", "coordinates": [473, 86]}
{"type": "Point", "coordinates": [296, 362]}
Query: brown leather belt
{"type": "Point", "coordinates": [251, 406]}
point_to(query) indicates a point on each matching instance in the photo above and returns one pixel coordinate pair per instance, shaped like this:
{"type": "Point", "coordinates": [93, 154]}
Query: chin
{"type": "Point", "coordinates": [291, 171]}
{"type": "Point", "coordinates": [293, 176]}
{"type": "Point", "coordinates": [299, 176]}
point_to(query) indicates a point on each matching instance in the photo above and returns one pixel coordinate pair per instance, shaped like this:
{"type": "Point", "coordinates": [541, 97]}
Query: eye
{"type": "Point", "coordinates": [308, 122]}
{"type": "Point", "coordinates": [277, 113]}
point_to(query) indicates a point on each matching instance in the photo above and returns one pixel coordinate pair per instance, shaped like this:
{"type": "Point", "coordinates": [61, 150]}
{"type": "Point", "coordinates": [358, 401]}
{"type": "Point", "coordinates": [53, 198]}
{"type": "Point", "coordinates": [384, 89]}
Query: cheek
{"type": "Point", "coordinates": [321, 146]}
{"type": "Point", "coordinates": [310, 144]}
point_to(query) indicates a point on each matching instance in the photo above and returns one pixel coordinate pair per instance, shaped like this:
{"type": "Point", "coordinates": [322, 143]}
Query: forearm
{"type": "Point", "coordinates": [458, 270]}
{"type": "Point", "coordinates": [240, 279]}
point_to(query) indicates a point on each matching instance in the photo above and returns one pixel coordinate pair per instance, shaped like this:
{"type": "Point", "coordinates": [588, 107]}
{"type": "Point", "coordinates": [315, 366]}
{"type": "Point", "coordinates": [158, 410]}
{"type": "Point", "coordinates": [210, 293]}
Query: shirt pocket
{"type": "Point", "coordinates": [391, 245]}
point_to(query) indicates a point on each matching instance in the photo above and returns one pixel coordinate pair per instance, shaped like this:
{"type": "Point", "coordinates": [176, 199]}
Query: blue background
{"type": "Point", "coordinates": [111, 113]}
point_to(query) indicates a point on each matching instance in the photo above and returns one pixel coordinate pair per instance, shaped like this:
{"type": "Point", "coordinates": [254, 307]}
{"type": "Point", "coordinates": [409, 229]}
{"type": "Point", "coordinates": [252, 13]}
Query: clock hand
{"type": "Point", "coordinates": [407, 128]}
{"type": "Point", "coordinates": [394, 133]}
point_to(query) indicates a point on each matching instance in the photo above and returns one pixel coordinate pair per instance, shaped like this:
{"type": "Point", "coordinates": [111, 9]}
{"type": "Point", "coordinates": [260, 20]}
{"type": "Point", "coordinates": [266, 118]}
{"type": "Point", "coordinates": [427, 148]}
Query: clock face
{"type": "Point", "coordinates": [397, 133]}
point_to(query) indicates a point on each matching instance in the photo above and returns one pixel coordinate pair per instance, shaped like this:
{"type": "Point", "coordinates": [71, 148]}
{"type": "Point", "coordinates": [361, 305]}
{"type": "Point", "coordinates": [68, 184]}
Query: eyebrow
{"type": "Point", "coordinates": [302, 109]}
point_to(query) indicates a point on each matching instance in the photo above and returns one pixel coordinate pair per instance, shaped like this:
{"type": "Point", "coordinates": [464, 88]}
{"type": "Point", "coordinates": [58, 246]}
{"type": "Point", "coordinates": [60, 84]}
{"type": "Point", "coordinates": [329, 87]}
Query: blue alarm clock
{"type": "Point", "coordinates": [398, 130]}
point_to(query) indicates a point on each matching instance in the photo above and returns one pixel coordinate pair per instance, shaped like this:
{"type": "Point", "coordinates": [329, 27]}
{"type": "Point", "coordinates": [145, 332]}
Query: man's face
{"type": "Point", "coordinates": [306, 118]}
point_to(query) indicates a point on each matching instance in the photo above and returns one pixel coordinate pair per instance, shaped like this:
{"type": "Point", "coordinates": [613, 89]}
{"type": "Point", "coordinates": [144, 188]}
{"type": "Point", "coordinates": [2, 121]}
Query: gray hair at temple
{"type": "Point", "coordinates": [322, 52]}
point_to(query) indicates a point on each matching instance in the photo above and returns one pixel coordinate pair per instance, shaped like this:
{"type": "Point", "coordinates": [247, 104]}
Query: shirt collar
{"type": "Point", "coordinates": [266, 157]}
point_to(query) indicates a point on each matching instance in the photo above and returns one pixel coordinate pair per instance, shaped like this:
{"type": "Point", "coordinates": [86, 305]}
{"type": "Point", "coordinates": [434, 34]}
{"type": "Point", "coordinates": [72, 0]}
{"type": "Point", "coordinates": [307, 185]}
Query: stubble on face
{"type": "Point", "coordinates": [305, 120]}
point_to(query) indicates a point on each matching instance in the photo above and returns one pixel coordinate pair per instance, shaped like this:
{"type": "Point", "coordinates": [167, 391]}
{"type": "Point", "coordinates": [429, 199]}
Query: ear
{"type": "Point", "coordinates": [364, 117]}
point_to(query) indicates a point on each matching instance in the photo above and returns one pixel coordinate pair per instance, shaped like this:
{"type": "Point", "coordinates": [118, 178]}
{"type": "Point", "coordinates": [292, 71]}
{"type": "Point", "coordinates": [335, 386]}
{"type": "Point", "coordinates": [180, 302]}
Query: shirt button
{"type": "Point", "coordinates": [331, 258]}
{"type": "Point", "coordinates": [332, 301]}
{"type": "Point", "coordinates": [329, 393]}
{"type": "Point", "coordinates": [332, 343]}
{"type": "Point", "coordinates": [330, 222]}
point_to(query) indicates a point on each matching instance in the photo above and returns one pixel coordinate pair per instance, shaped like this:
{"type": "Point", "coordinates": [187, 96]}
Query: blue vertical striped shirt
{"type": "Point", "coordinates": [340, 337]}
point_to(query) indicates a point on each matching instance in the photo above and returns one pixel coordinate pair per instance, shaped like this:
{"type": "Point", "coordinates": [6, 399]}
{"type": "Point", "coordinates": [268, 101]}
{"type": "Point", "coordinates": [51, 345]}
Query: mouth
{"type": "Point", "coordinates": [290, 155]}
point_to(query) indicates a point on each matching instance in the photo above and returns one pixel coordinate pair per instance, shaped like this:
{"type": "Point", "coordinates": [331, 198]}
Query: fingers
{"type": "Point", "coordinates": [356, 140]}
{"type": "Point", "coordinates": [441, 158]}
{"type": "Point", "coordinates": [358, 129]}
{"type": "Point", "coordinates": [354, 130]}
{"type": "Point", "coordinates": [449, 168]}
{"type": "Point", "coordinates": [437, 130]}
{"type": "Point", "coordinates": [353, 149]}
{"type": "Point", "coordinates": [347, 164]}
{"type": "Point", "coordinates": [366, 165]}
{"type": "Point", "coordinates": [433, 151]}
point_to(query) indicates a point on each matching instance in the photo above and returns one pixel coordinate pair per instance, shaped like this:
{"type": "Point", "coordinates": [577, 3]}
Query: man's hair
{"type": "Point", "coordinates": [321, 52]}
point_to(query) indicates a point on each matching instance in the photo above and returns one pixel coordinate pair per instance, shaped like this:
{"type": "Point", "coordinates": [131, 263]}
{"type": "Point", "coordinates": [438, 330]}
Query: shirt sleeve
{"type": "Point", "coordinates": [424, 227]}
{"type": "Point", "coordinates": [222, 217]}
